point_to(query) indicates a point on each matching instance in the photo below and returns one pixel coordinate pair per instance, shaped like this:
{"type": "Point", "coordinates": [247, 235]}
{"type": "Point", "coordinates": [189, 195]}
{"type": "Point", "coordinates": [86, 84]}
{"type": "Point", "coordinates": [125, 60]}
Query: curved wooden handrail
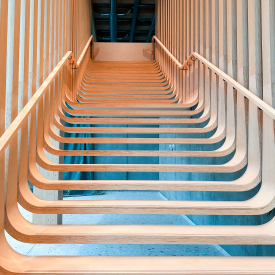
{"type": "Point", "coordinates": [237, 86]}
{"type": "Point", "coordinates": [181, 66]}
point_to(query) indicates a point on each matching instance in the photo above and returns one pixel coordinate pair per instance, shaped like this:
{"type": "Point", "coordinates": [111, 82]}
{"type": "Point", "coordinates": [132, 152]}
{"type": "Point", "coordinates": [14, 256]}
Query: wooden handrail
{"type": "Point", "coordinates": [23, 115]}
{"type": "Point", "coordinates": [245, 92]}
{"type": "Point", "coordinates": [78, 62]}
{"type": "Point", "coordinates": [181, 66]}
{"type": "Point", "coordinates": [84, 50]}
{"type": "Point", "coordinates": [225, 115]}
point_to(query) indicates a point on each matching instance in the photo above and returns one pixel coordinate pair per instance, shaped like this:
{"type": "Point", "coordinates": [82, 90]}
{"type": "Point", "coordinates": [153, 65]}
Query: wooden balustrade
{"type": "Point", "coordinates": [207, 94]}
{"type": "Point", "coordinates": [221, 113]}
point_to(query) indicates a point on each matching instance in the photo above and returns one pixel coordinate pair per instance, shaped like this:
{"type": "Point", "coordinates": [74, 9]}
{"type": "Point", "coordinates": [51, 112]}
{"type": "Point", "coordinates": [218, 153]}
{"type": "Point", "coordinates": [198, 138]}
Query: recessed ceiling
{"type": "Point", "coordinates": [128, 30]}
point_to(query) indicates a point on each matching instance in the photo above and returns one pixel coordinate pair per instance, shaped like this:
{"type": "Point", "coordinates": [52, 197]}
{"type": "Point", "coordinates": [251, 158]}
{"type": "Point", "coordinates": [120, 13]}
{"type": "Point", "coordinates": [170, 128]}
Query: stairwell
{"type": "Point", "coordinates": [170, 141]}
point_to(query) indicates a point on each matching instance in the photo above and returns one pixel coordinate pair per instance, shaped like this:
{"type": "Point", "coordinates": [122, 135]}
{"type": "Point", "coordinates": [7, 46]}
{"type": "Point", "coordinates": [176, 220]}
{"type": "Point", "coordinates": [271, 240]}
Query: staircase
{"type": "Point", "coordinates": [140, 98]}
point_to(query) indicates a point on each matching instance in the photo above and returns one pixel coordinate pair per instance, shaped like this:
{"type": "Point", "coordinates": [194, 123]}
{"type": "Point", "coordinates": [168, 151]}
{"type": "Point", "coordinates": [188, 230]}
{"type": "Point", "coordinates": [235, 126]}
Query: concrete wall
{"type": "Point", "coordinates": [122, 51]}
{"type": "Point", "coordinates": [126, 160]}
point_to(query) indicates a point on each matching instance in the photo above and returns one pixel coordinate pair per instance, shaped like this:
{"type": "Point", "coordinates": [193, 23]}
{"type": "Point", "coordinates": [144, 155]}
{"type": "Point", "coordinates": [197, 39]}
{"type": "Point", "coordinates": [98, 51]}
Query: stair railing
{"type": "Point", "coordinates": [67, 62]}
{"type": "Point", "coordinates": [251, 115]}
{"type": "Point", "coordinates": [226, 78]}
{"type": "Point", "coordinates": [63, 80]}
{"type": "Point", "coordinates": [18, 143]}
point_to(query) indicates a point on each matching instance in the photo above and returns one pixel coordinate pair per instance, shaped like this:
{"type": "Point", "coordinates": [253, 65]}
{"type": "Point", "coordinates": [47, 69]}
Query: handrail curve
{"type": "Point", "coordinates": [236, 85]}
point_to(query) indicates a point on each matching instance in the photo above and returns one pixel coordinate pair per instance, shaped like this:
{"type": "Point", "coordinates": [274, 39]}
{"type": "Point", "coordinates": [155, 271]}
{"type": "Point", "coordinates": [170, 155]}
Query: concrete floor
{"type": "Point", "coordinates": [119, 250]}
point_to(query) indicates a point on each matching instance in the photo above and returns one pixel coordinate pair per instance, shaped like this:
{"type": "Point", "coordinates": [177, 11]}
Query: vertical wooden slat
{"type": "Point", "coordinates": [189, 26]}
{"type": "Point", "coordinates": [229, 37]}
{"type": "Point", "coordinates": [181, 39]}
{"type": "Point", "coordinates": [30, 54]}
{"type": "Point", "coordinates": [268, 50]}
{"type": "Point", "coordinates": [198, 26]}
{"type": "Point", "coordinates": [267, 33]}
{"type": "Point", "coordinates": [47, 56]}
{"type": "Point", "coordinates": [191, 67]}
{"type": "Point", "coordinates": [185, 28]}
{"type": "Point", "coordinates": [55, 27]}
{"type": "Point", "coordinates": [175, 49]}
{"type": "Point", "coordinates": [214, 32]}
{"type": "Point", "coordinates": [221, 57]}
{"type": "Point", "coordinates": [13, 31]}
{"type": "Point", "coordinates": [189, 16]}
{"type": "Point", "coordinates": [62, 30]}
{"type": "Point", "coordinates": [167, 37]}
{"type": "Point", "coordinates": [65, 49]}
{"type": "Point", "coordinates": [12, 96]}
{"type": "Point", "coordinates": [245, 43]}
{"type": "Point", "coordinates": [209, 29]}
{"type": "Point", "coordinates": [162, 24]}
{"type": "Point", "coordinates": [233, 38]}
{"type": "Point", "coordinates": [22, 59]}
{"type": "Point", "coordinates": [35, 39]}
{"type": "Point", "coordinates": [76, 34]}
{"type": "Point", "coordinates": [71, 24]}
{"type": "Point", "coordinates": [16, 60]}
{"type": "Point", "coordinates": [39, 219]}
{"type": "Point", "coordinates": [204, 28]}
{"type": "Point", "coordinates": [192, 36]}
{"type": "Point", "coordinates": [194, 30]}
{"type": "Point", "coordinates": [59, 30]}
{"type": "Point", "coordinates": [3, 56]}
{"type": "Point", "coordinates": [170, 31]}
{"type": "Point", "coordinates": [239, 42]}
{"type": "Point", "coordinates": [43, 40]}
{"type": "Point", "coordinates": [158, 28]}
{"type": "Point", "coordinates": [168, 61]}
{"type": "Point", "coordinates": [272, 48]}
{"type": "Point", "coordinates": [26, 53]}
{"type": "Point", "coordinates": [258, 48]}
{"type": "Point", "coordinates": [177, 45]}
{"type": "Point", "coordinates": [185, 83]}
{"type": "Point", "coordinates": [217, 32]}
{"type": "Point", "coordinates": [251, 40]}
{"type": "Point", "coordinates": [201, 27]}
{"type": "Point", "coordinates": [224, 16]}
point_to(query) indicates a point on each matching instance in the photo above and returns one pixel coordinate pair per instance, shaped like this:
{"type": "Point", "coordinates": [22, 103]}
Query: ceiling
{"type": "Point", "coordinates": [128, 30]}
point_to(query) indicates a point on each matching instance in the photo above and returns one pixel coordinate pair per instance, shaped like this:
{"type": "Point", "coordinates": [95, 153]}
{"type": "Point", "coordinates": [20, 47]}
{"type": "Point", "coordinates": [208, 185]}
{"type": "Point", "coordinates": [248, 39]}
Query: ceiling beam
{"type": "Point", "coordinates": [141, 16]}
{"type": "Point", "coordinates": [134, 19]}
{"type": "Point", "coordinates": [151, 29]}
{"type": "Point", "coordinates": [145, 2]}
{"type": "Point", "coordinates": [113, 21]}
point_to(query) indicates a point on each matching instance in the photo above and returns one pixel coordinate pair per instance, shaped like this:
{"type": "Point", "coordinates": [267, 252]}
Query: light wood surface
{"type": "Point", "coordinates": [197, 91]}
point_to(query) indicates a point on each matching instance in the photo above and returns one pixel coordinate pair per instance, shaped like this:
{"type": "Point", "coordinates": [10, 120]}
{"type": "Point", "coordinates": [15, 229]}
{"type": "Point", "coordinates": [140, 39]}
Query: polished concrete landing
{"type": "Point", "coordinates": [118, 250]}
